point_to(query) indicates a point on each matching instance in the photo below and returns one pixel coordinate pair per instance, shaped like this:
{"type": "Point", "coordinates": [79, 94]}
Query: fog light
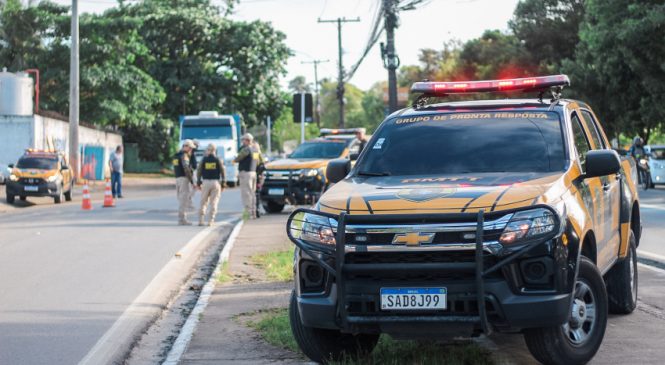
{"type": "Point", "coordinates": [314, 274]}
{"type": "Point", "coordinates": [537, 270]}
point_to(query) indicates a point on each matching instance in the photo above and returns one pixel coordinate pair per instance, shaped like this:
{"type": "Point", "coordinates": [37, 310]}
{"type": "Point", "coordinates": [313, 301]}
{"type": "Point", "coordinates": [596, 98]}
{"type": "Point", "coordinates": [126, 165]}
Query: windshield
{"type": "Point", "coordinates": [207, 132]}
{"type": "Point", "coordinates": [466, 143]}
{"type": "Point", "coordinates": [658, 153]}
{"type": "Point", "coordinates": [319, 150]}
{"type": "Point", "coordinates": [37, 163]}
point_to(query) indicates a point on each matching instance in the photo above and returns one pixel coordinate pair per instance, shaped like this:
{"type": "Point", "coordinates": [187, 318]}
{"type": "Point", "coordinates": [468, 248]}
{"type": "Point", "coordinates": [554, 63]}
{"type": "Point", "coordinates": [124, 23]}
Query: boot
{"type": "Point", "coordinates": [200, 220]}
{"type": "Point", "coordinates": [184, 223]}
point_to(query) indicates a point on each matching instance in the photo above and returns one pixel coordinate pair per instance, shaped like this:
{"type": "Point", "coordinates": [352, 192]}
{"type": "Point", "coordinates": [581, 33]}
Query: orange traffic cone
{"type": "Point", "coordinates": [87, 203]}
{"type": "Point", "coordinates": [108, 197]}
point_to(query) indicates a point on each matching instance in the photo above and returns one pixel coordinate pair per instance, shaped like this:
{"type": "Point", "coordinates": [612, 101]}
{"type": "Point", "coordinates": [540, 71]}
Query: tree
{"type": "Point", "coordinates": [495, 55]}
{"type": "Point", "coordinates": [618, 64]}
{"type": "Point", "coordinates": [25, 32]}
{"type": "Point", "coordinates": [548, 29]}
{"type": "Point", "coordinates": [299, 84]}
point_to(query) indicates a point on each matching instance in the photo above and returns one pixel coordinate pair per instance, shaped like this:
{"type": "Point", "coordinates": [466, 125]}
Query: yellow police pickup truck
{"type": "Point", "coordinates": [300, 178]}
{"type": "Point", "coordinates": [40, 173]}
{"type": "Point", "coordinates": [461, 218]}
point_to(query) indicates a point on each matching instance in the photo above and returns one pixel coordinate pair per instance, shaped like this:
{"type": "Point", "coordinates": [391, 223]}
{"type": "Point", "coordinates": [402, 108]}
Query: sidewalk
{"type": "Point", "coordinates": [219, 337]}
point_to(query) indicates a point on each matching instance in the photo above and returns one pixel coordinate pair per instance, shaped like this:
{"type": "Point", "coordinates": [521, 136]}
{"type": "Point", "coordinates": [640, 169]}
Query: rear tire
{"type": "Point", "coordinates": [622, 282]}
{"type": "Point", "coordinates": [23, 198]}
{"type": "Point", "coordinates": [272, 207]}
{"type": "Point", "coordinates": [68, 195]}
{"type": "Point", "coordinates": [323, 345]}
{"type": "Point", "coordinates": [577, 340]}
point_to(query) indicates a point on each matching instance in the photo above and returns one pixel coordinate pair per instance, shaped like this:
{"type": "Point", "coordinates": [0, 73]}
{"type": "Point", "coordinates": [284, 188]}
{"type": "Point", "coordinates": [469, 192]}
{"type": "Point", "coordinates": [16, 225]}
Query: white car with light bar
{"type": "Point", "coordinates": [468, 218]}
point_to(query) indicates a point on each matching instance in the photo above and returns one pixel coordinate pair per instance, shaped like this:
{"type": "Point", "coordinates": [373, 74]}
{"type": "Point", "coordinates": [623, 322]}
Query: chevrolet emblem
{"type": "Point", "coordinates": [413, 238]}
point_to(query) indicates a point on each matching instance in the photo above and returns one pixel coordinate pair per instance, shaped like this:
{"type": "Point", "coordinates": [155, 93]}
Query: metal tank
{"type": "Point", "coordinates": [15, 93]}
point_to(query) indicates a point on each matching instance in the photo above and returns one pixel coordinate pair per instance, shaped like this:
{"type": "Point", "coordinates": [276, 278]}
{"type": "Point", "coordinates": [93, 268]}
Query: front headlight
{"type": "Point", "coordinates": [13, 177]}
{"type": "Point", "coordinates": [52, 178]}
{"type": "Point", "coordinates": [527, 225]}
{"type": "Point", "coordinates": [314, 229]}
{"type": "Point", "coordinates": [643, 161]}
{"type": "Point", "coordinates": [310, 172]}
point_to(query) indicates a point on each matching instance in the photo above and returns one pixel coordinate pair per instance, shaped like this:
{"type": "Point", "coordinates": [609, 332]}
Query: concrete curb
{"type": "Point", "coordinates": [187, 331]}
{"type": "Point", "coordinates": [116, 343]}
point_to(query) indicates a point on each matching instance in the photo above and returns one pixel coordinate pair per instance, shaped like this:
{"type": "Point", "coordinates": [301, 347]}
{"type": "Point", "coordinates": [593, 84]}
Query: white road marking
{"type": "Point", "coordinates": [649, 267]}
{"type": "Point", "coordinates": [123, 329]}
{"type": "Point", "coordinates": [651, 256]}
{"type": "Point", "coordinates": [652, 206]}
{"type": "Point", "coordinates": [187, 331]}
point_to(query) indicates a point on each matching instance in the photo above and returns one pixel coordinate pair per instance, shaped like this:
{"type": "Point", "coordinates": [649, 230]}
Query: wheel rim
{"type": "Point", "coordinates": [581, 324]}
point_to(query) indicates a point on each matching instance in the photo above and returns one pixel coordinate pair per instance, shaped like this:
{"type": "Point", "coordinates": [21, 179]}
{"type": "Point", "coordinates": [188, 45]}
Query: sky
{"type": "Point", "coordinates": [428, 26]}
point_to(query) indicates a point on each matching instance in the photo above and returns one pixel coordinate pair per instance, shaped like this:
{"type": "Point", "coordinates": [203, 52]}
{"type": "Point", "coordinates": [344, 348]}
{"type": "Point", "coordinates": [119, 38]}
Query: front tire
{"type": "Point", "coordinates": [577, 340]}
{"type": "Point", "coordinates": [622, 281]}
{"type": "Point", "coordinates": [58, 198]}
{"type": "Point", "coordinates": [68, 194]}
{"type": "Point", "coordinates": [10, 199]}
{"type": "Point", "coordinates": [323, 345]}
{"type": "Point", "coordinates": [272, 207]}
{"type": "Point", "coordinates": [23, 198]}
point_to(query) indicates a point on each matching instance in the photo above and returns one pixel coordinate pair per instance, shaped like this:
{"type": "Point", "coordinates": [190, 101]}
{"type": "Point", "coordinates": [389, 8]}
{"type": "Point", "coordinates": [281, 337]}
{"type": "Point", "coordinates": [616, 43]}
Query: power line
{"type": "Point", "coordinates": [340, 78]}
{"type": "Point", "coordinates": [374, 35]}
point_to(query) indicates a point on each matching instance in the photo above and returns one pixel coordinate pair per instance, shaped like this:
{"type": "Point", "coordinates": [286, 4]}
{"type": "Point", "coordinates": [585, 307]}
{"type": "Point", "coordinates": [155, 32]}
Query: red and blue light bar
{"type": "Point", "coordinates": [465, 87]}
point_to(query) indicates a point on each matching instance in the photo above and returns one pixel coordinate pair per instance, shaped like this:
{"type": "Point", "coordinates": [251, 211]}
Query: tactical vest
{"type": "Point", "coordinates": [250, 161]}
{"type": "Point", "coordinates": [178, 168]}
{"type": "Point", "coordinates": [210, 168]}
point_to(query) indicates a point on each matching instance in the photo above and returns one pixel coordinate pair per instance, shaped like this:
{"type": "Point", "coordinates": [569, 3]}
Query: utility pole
{"type": "Point", "coordinates": [268, 124]}
{"type": "Point", "coordinates": [316, 88]}
{"type": "Point", "coordinates": [74, 93]}
{"type": "Point", "coordinates": [390, 59]}
{"type": "Point", "coordinates": [340, 77]}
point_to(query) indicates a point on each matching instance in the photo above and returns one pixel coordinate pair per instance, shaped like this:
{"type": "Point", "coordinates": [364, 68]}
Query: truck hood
{"type": "Point", "coordinates": [34, 173]}
{"type": "Point", "coordinates": [296, 164]}
{"type": "Point", "coordinates": [442, 193]}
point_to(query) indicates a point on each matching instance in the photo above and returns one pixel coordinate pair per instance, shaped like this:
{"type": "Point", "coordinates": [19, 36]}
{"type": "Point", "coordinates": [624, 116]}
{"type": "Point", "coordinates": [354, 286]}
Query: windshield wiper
{"type": "Point", "coordinates": [370, 173]}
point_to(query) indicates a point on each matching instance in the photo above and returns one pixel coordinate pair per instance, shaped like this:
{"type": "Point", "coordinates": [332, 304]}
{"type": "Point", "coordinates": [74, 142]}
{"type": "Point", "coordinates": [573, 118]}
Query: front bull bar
{"type": "Point", "coordinates": [319, 252]}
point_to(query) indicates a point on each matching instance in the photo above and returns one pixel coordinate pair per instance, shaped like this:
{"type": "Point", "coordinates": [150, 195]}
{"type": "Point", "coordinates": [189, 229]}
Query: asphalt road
{"type": "Point", "coordinates": [67, 275]}
{"type": "Point", "coordinates": [653, 220]}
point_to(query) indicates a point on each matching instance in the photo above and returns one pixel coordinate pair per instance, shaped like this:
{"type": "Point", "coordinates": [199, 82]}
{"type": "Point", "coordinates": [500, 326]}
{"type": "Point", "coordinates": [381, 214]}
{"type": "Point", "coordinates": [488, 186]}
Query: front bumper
{"type": "Point", "coordinates": [42, 188]}
{"type": "Point", "coordinates": [293, 189]}
{"type": "Point", "coordinates": [485, 293]}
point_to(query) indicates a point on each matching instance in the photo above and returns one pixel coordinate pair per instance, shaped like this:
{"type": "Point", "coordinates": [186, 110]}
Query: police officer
{"type": "Point", "coordinates": [248, 159]}
{"type": "Point", "coordinates": [211, 179]}
{"type": "Point", "coordinates": [362, 140]}
{"type": "Point", "coordinates": [183, 180]}
{"type": "Point", "coordinates": [194, 165]}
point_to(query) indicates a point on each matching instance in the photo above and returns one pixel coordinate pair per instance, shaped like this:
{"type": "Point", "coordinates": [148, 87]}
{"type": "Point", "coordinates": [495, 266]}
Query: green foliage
{"type": "Point", "coordinates": [495, 55]}
{"type": "Point", "coordinates": [143, 64]}
{"type": "Point", "coordinates": [548, 29]}
{"type": "Point", "coordinates": [618, 64]}
{"type": "Point", "coordinates": [278, 266]}
{"type": "Point", "coordinates": [274, 327]}
{"type": "Point", "coordinates": [362, 109]}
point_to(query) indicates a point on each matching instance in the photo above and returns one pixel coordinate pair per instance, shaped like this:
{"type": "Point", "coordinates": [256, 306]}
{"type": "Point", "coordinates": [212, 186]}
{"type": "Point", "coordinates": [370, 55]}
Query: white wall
{"type": "Point", "coordinates": [15, 136]}
{"type": "Point", "coordinates": [17, 133]}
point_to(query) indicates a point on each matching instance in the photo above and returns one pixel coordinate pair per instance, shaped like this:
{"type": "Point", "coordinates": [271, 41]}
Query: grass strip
{"type": "Point", "coordinates": [274, 327]}
{"type": "Point", "coordinates": [278, 265]}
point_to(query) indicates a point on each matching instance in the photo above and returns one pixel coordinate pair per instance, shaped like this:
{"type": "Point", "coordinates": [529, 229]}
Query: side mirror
{"type": "Point", "coordinates": [337, 170]}
{"type": "Point", "coordinates": [354, 156]}
{"type": "Point", "coordinates": [602, 163]}
{"type": "Point", "coordinates": [11, 165]}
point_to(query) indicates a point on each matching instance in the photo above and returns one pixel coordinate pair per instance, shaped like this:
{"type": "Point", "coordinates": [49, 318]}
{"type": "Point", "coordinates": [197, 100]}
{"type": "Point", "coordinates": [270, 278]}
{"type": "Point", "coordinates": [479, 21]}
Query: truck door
{"type": "Point", "coordinates": [611, 197]}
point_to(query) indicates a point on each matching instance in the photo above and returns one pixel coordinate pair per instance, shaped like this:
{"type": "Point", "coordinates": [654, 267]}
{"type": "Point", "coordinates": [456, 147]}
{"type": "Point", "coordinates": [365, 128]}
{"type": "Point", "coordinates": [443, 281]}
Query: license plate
{"type": "Point", "coordinates": [31, 188]}
{"type": "Point", "coordinates": [275, 191]}
{"type": "Point", "coordinates": [413, 298]}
